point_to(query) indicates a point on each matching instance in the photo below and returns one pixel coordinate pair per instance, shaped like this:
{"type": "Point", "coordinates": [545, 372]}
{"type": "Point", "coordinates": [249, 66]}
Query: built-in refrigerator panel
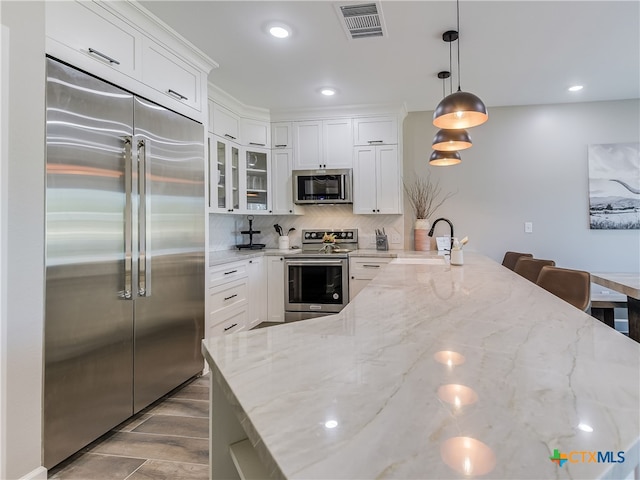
{"type": "Point", "coordinates": [124, 307]}
{"type": "Point", "coordinates": [169, 308]}
{"type": "Point", "coordinates": [88, 380]}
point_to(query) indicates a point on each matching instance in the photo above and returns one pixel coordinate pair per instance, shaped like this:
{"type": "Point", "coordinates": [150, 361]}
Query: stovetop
{"type": "Point", "coordinates": [313, 245]}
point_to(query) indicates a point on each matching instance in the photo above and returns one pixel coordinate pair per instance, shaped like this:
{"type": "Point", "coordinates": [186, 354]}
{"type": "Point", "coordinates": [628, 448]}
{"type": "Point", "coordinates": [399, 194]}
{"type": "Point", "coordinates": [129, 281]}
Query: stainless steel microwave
{"type": "Point", "coordinates": [322, 186]}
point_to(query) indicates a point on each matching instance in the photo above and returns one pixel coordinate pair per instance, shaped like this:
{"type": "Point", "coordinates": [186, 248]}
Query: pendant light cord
{"type": "Point", "coordinates": [458, 21]}
{"type": "Point", "coordinates": [450, 71]}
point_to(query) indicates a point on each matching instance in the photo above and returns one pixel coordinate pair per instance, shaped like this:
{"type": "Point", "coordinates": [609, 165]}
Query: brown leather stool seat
{"type": "Point", "coordinates": [573, 286]}
{"type": "Point", "coordinates": [510, 259]}
{"type": "Point", "coordinates": [529, 268]}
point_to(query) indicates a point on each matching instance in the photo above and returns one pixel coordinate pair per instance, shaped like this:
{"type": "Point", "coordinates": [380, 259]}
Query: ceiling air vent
{"type": "Point", "coordinates": [363, 20]}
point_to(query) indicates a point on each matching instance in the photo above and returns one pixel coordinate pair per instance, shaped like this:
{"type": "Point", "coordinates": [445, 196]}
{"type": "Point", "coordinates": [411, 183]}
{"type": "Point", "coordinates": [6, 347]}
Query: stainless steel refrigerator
{"type": "Point", "coordinates": [124, 256]}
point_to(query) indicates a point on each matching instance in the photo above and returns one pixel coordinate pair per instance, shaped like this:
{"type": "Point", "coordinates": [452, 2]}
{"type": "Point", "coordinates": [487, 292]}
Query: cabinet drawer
{"type": "Point", "coordinates": [101, 36]}
{"type": "Point", "coordinates": [227, 272]}
{"type": "Point", "coordinates": [366, 268]}
{"type": "Point", "coordinates": [165, 72]}
{"type": "Point", "coordinates": [228, 295]}
{"type": "Point", "coordinates": [230, 321]}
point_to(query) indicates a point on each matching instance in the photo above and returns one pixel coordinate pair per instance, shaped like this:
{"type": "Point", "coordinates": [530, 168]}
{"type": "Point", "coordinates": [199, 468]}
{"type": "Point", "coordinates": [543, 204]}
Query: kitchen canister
{"type": "Point", "coordinates": [283, 242]}
{"type": "Point", "coordinates": [457, 257]}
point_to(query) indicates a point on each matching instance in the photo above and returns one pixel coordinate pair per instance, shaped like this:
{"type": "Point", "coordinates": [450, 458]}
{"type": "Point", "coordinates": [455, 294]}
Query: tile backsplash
{"type": "Point", "coordinates": [224, 230]}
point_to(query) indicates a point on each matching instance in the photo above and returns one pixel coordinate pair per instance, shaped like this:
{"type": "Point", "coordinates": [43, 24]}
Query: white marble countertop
{"type": "Point", "coordinates": [536, 367]}
{"type": "Point", "coordinates": [217, 257]}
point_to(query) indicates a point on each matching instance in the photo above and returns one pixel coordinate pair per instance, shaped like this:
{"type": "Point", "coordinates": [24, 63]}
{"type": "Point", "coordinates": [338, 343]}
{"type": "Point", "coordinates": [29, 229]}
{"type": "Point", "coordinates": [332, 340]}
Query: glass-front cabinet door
{"type": "Point", "coordinates": [224, 181]}
{"type": "Point", "coordinates": [257, 178]}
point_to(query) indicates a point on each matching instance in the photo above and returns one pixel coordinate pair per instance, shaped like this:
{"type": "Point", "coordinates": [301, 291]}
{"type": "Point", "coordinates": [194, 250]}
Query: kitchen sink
{"type": "Point", "coordinates": [419, 261]}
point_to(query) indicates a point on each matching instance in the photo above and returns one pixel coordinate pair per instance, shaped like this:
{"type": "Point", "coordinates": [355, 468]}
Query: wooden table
{"type": "Point", "coordinates": [629, 284]}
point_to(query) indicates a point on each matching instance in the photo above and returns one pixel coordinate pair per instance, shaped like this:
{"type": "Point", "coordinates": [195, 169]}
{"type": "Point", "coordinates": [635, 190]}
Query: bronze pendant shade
{"type": "Point", "coordinates": [460, 110]}
{"type": "Point", "coordinates": [451, 140]}
{"type": "Point", "coordinates": [444, 159]}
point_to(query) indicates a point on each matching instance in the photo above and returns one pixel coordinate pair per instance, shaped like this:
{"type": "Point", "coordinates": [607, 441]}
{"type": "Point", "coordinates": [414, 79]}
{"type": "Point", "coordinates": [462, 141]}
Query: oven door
{"type": "Point", "coordinates": [316, 286]}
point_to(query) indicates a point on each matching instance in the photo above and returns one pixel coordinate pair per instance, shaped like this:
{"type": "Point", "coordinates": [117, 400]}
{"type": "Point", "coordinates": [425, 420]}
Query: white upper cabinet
{"type": "Point", "coordinates": [323, 144]}
{"type": "Point", "coordinates": [226, 123]}
{"type": "Point", "coordinates": [95, 33]}
{"type": "Point", "coordinates": [282, 183]}
{"type": "Point", "coordinates": [281, 135]}
{"type": "Point", "coordinates": [376, 180]}
{"type": "Point", "coordinates": [255, 133]}
{"type": "Point", "coordinates": [307, 145]}
{"type": "Point", "coordinates": [170, 75]}
{"type": "Point", "coordinates": [338, 143]}
{"type": "Point", "coordinates": [121, 43]}
{"type": "Point", "coordinates": [375, 131]}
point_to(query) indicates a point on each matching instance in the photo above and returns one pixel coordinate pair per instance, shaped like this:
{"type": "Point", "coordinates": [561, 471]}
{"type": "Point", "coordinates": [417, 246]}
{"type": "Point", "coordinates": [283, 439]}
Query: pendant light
{"type": "Point", "coordinates": [450, 140]}
{"type": "Point", "coordinates": [444, 159]}
{"type": "Point", "coordinates": [460, 109]}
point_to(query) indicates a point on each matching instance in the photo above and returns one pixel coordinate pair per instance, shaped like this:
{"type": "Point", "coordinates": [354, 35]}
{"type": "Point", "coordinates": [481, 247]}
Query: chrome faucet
{"type": "Point", "coordinates": [450, 226]}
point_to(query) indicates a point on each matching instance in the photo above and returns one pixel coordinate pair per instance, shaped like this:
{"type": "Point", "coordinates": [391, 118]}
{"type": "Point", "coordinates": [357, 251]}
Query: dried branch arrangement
{"type": "Point", "coordinates": [425, 195]}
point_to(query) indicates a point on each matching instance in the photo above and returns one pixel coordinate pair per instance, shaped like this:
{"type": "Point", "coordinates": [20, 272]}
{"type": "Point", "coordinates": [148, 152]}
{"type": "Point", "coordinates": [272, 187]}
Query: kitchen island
{"type": "Point", "coordinates": [433, 371]}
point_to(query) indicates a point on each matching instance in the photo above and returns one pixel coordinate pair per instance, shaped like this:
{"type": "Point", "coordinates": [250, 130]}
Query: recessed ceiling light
{"type": "Point", "coordinates": [328, 91]}
{"type": "Point", "coordinates": [576, 88]}
{"type": "Point", "coordinates": [279, 30]}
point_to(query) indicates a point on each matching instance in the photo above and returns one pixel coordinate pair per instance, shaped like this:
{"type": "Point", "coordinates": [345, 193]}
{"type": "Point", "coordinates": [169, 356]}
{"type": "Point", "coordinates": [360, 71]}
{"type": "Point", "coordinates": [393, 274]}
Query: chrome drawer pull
{"type": "Point", "coordinates": [229, 298]}
{"type": "Point", "coordinates": [371, 266]}
{"type": "Point", "coordinates": [102, 55]}
{"type": "Point", "coordinates": [232, 271]}
{"type": "Point", "coordinates": [176, 94]}
{"type": "Point", "coordinates": [230, 327]}
{"type": "Point", "coordinates": [229, 136]}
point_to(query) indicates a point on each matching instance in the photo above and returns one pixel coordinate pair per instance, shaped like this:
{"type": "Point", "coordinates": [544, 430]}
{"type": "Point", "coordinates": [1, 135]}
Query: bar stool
{"type": "Point", "coordinates": [573, 286]}
{"type": "Point", "coordinates": [510, 259]}
{"type": "Point", "coordinates": [529, 268]}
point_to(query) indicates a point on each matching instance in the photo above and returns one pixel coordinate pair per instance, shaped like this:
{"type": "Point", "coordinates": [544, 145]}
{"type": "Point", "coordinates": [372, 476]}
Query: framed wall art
{"type": "Point", "coordinates": [614, 186]}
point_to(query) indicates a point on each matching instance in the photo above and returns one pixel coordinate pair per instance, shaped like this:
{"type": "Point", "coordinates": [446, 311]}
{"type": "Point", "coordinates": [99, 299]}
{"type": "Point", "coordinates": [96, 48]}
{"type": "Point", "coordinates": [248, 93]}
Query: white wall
{"type": "Point", "coordinates": [24, 220]}
{"type": "Point", "coordinates": [530, 164]}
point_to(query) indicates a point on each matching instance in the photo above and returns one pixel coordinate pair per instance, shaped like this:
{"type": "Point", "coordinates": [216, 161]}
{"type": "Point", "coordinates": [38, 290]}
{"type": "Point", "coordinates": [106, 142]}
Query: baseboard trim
{"type": "Point", "coordinates": [39, 473]}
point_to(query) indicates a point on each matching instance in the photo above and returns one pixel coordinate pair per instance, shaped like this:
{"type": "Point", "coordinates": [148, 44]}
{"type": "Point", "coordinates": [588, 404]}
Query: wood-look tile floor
{"type": "Point", "coordinates": [167, 440]}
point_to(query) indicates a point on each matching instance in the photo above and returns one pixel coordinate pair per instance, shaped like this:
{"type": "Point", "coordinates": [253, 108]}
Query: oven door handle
{"type": "Point", "coordinates": [313, 261]}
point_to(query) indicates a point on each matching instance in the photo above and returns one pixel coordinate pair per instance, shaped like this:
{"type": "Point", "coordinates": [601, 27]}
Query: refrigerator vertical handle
{"type": "Point", "coordinates": [143, 291]}
{"type": "Point", "coordinates": [126, 293]}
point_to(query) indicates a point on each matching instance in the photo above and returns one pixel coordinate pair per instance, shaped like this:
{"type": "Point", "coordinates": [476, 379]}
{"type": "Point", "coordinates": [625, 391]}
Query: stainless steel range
{"type": "Point", "coordinates": [317, 279]}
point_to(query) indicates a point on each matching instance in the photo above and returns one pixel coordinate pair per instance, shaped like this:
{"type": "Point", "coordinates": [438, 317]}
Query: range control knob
{"type": "Point", "coordinates": [350, 235]}
{"type": "Point", "coordinates": [313, 234]}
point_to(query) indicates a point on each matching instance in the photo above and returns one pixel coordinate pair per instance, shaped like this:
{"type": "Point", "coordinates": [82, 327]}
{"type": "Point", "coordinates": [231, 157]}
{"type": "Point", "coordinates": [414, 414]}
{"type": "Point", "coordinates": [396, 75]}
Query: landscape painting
{"type": "Point", "coordinates": [614, 186]}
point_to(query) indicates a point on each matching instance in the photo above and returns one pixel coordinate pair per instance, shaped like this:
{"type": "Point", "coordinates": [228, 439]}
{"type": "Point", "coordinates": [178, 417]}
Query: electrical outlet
{"type": "Point", "coordinates": [395, 237]}
{"type": "Point", "coordinates": [528, 227]}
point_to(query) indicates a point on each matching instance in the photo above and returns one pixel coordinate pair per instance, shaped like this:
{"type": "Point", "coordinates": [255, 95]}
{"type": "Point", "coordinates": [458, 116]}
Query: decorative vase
{"type": "Point", "coordinates": [421, 238]}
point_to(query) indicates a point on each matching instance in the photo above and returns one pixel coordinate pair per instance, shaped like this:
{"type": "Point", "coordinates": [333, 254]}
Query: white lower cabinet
{"type": "Point", "coordinates": [257, 290]}
{"type": "Point", "coordinates": [275, 289]}
{"type": "Point", "coordinates": [362, 270]}
{"type": "Point", "coordinates": [228, 321]}
{"type": "Point", "coordinates": [227, 300]}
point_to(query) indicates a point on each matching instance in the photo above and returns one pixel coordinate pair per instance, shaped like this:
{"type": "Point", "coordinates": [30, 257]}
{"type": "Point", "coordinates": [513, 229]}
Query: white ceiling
{"type": "Point", "coordinates": [512, 52]}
